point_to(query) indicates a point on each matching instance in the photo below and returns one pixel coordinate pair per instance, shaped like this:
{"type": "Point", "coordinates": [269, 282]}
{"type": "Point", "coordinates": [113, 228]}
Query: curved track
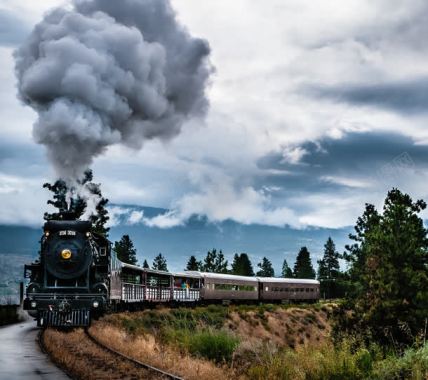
{"type": "Point", "coordinates": [21, 356]}
{"type": "Point", "coordinates": [137, 363]}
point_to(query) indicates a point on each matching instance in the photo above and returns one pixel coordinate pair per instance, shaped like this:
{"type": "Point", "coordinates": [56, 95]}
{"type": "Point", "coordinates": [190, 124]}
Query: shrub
{"type": "Point", "coordinates": [217, 346]}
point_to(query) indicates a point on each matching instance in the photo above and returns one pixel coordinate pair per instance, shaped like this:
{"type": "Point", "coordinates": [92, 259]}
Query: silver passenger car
{"type": "Point", "coordinates": [279, 289]}
{"type": "Point", "coordinates": [216, 286]}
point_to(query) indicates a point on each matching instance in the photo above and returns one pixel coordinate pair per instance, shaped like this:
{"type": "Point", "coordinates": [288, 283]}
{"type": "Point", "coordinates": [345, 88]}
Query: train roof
{"type": "Point", "coordinates": [141, 269]}
{"type": "Point", "coordinates": [224, 276]}
{"type": "Point", "coordinates": [288, 280]}
{"type": "Point", "coordinates": [192, 274]}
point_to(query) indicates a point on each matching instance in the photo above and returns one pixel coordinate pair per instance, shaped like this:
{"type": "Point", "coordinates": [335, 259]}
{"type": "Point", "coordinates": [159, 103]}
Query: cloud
{"type": "Point", "coordinates": [13, 29]}
{"type": "Point", "coordinates": [406, 97]}
{"type": "Point", "coordinates": [309, 118]}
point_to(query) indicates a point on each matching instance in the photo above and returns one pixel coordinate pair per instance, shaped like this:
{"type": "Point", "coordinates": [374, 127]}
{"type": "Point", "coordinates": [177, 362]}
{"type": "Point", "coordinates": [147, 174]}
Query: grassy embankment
{"type": "Point", "coordinates": [215, 341]}
{"type": "Point", "coordinates": [248, 342]}
{"type": "Point", "coordinates": [253, 342]}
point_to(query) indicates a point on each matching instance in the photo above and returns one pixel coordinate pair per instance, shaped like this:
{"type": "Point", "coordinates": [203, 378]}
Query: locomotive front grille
{"type": "Point", "coordinates": [74, 318]}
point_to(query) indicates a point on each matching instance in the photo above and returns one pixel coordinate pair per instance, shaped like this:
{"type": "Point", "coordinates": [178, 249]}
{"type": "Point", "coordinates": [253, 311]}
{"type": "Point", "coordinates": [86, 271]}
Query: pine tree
{"type": "Point", "coordinates": [159, 263]}
{"type": "Point", "coordinates": [146, 264]}
{"type": "Point", "coordinates": [286, 270]}
{"type": "Point", "coordinates": [266, 268]}
{"type": "Point", "coordinates": [125, 250]}
{"type": "Point", "coordinates": [241, 265]}
{"type": "Point", "coordinates": [389, 271]}
{"type": "Point", "coordinates": [329, 270]}
{"type": "Point", "coordinates": [193, 264]}
{"type": "Point", "coordinates": [221, 263]}
{"type": "Point", "coordinates": [59, 190]}
{"type": "Point", "coordinates": [303, 267]}
{"type": "Point", "coordinates": [209, 264]}
{"type": "Point", "coordinates": [72, 205]}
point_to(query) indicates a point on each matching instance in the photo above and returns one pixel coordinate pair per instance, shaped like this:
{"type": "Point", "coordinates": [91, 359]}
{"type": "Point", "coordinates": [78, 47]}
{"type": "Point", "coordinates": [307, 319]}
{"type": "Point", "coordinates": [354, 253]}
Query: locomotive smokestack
{"type": "Point", "coordinates": [104, 72]}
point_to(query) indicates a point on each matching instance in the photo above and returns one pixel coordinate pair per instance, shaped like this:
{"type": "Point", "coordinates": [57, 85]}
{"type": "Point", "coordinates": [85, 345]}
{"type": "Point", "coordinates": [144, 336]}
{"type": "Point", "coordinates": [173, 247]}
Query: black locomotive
{"type": "Point", "coordinates": [78, 276]}
{"type": "Point", "coordinates": [70, 281]}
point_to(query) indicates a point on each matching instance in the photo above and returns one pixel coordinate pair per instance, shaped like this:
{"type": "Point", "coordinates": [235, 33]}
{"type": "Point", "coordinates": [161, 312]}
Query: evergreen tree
{"type": "Point", "coordinates": [59, 201]}
{"type": "Point", "coordinates": [159, 263]}
{"type": "Point", "coordinates": [241, 265]}
{"type": "Point", "coordinates": [221, 263]}
{"type": "Point", "coordinates": [71, 204]}
{"type": "Point", "coordinates": [209, 261]}
{"type": "Point", "coordinates": [146, 264]}
{"type": "Point", "coordinates": [286, 270]}
{"type": "Point", "coordinates": [215, 262]}
{"type": "Point", "coordinates": [329, 270]}
{"type": "Point", "coordinates": [303, 267]}
{"type": "Point", "coordinates": [193, 264]}
{"type": "Point", "coordinates": [125, 250]}
{"type": "Point", "coordinates": [389, 271]}
{"type": "Point", "coordinates": [266, 268]}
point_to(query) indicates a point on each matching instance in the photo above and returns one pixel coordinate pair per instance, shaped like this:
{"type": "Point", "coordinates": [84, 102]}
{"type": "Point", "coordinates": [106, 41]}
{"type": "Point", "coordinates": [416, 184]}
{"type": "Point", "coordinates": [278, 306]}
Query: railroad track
{"type": "Point", "coordinates": [97, 357]}
{"type": "Point", "coordinates": [137, 363]}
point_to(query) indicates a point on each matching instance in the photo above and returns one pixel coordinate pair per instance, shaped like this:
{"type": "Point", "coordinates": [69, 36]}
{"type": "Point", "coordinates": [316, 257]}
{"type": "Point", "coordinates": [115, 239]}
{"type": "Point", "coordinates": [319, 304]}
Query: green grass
{"type": "Point", "coordinates": [342, 362]}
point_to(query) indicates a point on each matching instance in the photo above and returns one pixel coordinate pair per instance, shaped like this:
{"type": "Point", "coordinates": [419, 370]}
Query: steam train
{"type": "Point", "coordinates": [78, 277]}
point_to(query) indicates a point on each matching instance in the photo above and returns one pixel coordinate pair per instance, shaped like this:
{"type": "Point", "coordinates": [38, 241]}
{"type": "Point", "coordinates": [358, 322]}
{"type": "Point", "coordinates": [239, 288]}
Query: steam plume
{"type": "Point", "coordinates": [104, 72]}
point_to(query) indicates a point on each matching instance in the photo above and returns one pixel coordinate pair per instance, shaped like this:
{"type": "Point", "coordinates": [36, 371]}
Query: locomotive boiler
{"type": "Point", "coordinates": [69, 282]}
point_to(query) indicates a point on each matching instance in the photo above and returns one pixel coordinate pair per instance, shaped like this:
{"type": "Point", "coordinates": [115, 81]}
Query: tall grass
{"type": "Point", "coordinates": [342, 362]}
{"type": "Point", "coordinates": [217, 346]}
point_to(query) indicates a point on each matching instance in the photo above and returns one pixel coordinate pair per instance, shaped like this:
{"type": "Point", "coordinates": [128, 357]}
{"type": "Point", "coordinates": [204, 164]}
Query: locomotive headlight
{"type": "Point", "coordinates": [88, 234]}
{"type": "Point", "coordinates": [96, 304]}
{"type": "Point", "coordinates": [66, 254]}
{"type": "Point", "coordinates": [33, 304]}
{"type": "Point", "coordinates": [47, 233]}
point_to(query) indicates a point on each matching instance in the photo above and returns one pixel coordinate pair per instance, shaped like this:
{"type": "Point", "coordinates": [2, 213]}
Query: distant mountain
{"type": "Point", "coordinates": [198, 235]}
{"type": "Point", "coordinates": [195, 238]}
{"type": "Point", "coordinates": [19, 240]}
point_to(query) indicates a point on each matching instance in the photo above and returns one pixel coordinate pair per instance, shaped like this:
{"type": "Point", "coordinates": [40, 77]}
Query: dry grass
{"type": "Point", "coordinates": [290, 327]}
{"type": "Point", "coordinates": [147, 349]}
{"type": "Point", "coordinates": [84, 360]}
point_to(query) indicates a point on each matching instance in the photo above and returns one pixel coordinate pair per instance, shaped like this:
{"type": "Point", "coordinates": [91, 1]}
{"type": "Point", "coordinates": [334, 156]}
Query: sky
{"type": "Point", "coordinates": [316, 108]}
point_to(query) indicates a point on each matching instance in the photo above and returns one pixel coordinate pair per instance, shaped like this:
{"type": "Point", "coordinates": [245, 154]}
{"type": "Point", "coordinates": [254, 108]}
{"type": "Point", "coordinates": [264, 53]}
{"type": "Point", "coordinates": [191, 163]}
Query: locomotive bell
{"type": "Point", "coordinates": [66, 254]}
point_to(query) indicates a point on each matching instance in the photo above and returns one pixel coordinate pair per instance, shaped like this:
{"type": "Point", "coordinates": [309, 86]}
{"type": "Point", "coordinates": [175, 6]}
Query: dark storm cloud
{"type": "Point", "coordinates": [356, 155]}
{"type": "Point", "coordinates": [12, 29]}
{"type": "Point", "coordinates": [404, 97]}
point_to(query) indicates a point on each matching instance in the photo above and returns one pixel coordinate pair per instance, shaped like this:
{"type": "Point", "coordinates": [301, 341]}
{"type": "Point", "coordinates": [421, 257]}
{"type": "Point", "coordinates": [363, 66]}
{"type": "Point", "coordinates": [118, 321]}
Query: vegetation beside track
{"type": "Point", "coordinates": [220, 341]}
{"type": "Point", "coordinates": [9, 314]}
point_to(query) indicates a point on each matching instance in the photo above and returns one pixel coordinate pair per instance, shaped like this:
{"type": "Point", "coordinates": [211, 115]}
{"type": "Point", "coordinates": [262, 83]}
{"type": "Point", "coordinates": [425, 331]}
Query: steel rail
{"type": "Point", "coordinates": [134, 361]}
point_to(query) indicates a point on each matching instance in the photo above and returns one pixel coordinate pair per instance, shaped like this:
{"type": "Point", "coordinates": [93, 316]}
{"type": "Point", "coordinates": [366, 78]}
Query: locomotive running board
{"type": "Point", "coordinates": [74, 318]}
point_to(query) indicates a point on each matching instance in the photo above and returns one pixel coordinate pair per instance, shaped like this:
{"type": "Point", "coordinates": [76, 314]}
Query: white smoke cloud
{"type": "Point", "coordinates": [100, 73]}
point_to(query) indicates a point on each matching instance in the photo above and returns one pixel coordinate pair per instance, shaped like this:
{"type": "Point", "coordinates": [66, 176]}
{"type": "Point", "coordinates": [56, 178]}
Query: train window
{"type": "Point", "coordinates": [245, 288]}
{"type": "Point", "coordinates": [103, 251]}
{"type": "Point", "coordinates": [312, 289]}
{"type": "Point", "coordinates": [307, 290]}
